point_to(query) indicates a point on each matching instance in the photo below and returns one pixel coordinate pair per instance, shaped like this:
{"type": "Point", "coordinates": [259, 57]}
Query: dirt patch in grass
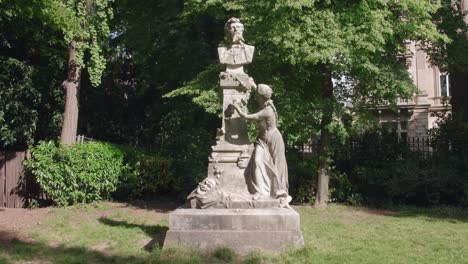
{"type": "Point", "coordinates": [374, 211]}
{"type": "Point", "coordinates": [15, 224]}
{"type": "Point", "coordinates": [16, 219]}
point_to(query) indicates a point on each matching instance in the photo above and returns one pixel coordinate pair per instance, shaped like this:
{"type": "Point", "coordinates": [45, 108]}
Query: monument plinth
{"type": "Point", "coordinates": [269, 230]}
{"type": "Point", "coordinates": [243, 203]}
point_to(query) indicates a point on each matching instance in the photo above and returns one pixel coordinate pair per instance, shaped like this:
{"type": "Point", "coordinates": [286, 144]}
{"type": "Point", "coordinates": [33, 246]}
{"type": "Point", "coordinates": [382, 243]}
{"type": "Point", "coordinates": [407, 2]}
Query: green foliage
{"type": "Point", "coordinates": [145, 173]}
{"type": "Point", "coordinates": [81, 174]}
{"type": "Point", "coordinates": [18, 114]}
{"type": "Point", "coordinates": [453, 56]}
{"type": "Point", "coordinates": [224, 255]}
{"type": "Point", "coordinates": [32, 61]}
{"type": "Point", "coordinates": [302, 178]}
{"type": "Point", "coordinates": [375, 168]}
{"type": "Point", "coordinates": [189, 145]}
{"type": "Point", "coordinates": [342, 189]}
{"type": "Point", "coordinates": [358, 41]}
{"type": "Point", "coordinates": [96, 171]}
{"type": "Point", "coordinates": [204, 91]}
{"type": "Point", "coordinates": [303, 182]}
{"type": "Point", "coordinates": [451, 149]}
{"type": "Point", "coordinates": [86, 22]}
{"type": "Point", "coordinates": [349, 35]}
{"type": "Point", "coordinates": [384, 171]}
{"type": "Point", "coordinates": [154, 52]}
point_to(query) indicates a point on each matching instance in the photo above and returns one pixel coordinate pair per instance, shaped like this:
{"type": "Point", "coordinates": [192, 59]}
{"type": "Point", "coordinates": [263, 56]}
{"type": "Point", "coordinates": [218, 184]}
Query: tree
{"type": "Point", "coordinates": [31, 66]}
{"type": "Point", "coordinates": [152, 51]}
{"type": "Point", "coordinates": [452, 19]}
{"type": "Point", "coordinates": [331, 51]}
{"type": "Point", "coordinates": [85, 27]}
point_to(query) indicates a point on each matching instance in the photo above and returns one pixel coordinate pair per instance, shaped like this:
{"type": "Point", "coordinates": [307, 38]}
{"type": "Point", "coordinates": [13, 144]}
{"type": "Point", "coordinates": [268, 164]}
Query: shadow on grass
{"type": "Point", "coordinates": [6, 237]}
{"type": "Point", "coordinates": [163, 205]}
{"type": "Point", "coordinates": [440, 213]}
{"type": "Point", "coordinates": [19, 251]}
{"type": "Point", "coordinates": [158, 232]}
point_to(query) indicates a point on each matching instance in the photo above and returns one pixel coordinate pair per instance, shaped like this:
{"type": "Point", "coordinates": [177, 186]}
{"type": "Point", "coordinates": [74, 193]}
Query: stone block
{"type": "Point", "coordinates": [242, 230]}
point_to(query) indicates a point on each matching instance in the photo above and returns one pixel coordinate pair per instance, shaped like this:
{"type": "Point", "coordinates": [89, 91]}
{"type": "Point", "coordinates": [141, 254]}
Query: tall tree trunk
{"type": "Point", "coordinates": [72, 87]}
{"type": "Point", "coordinates": [325, 137]}
{"type": "Point", "coordinates": [459, 93]}
{"type": "Point", "coordinates": [459, 79]}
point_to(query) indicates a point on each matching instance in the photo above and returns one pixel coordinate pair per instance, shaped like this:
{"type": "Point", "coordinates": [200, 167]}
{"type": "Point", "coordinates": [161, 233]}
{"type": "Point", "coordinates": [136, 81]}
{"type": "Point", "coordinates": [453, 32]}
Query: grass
{"type": "Point", "coordinates": [339, 234]}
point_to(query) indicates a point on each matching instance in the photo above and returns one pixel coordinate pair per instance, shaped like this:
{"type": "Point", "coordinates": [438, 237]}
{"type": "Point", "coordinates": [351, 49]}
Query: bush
{"type": "Point", "coordinates": [145, 173]}
{"type": "Point", "coordinates": [95, 171]}
{"type": "Point", "coordinates": [302, 178]}
{"type": "Point", "coordinates": [450, 142]}
{"type": "Point", "coordinates": [378, 170]}
{"type": "Point", "coordinates": [81, 174]}
{"type": "Point", "coordinates": [19, 101]}
{"type": "Point", "coordinates": [386, 172]}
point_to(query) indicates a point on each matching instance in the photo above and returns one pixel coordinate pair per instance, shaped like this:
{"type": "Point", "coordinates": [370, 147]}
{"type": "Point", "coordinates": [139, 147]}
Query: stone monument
{"type": "Point", "coordinates": [243, 203]}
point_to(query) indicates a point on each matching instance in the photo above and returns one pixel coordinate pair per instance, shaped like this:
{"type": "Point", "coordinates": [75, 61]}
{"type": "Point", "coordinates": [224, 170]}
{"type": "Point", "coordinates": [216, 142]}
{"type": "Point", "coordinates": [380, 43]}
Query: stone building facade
{"type": "Point", "coordinates": [416, 115]}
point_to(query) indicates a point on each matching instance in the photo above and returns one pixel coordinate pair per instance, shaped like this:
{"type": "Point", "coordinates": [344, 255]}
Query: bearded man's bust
{"type": "Point", "coordinates": [236, 53]}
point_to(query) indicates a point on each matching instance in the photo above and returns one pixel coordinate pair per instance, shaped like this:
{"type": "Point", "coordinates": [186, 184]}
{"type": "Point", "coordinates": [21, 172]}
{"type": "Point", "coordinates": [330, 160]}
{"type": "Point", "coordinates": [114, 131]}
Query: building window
{"type": "Point", "coordinates": [444, 85]}
{"type": "Point", "coordinates": [400, 128]}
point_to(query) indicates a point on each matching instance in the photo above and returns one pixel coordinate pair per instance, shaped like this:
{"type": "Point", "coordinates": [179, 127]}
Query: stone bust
{"type": "Point", "coordinates": [237, 53]}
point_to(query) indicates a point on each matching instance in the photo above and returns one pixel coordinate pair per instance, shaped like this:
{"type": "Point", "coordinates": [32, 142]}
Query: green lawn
{"type": "Point", "coordinates": [113, 233]}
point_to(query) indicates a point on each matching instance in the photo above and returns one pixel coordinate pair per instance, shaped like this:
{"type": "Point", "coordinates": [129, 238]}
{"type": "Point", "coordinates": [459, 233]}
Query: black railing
{"type": "Point", "coordinates": [421, 145]}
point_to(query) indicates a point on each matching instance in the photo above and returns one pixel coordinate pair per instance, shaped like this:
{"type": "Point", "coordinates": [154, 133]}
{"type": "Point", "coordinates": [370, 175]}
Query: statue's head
{"type": "Point", "coordinates": [206, 185]}
{"type": "Point", "coordinates": [234, 30]}
{"type": "Point", "coordinates": [265, 91]}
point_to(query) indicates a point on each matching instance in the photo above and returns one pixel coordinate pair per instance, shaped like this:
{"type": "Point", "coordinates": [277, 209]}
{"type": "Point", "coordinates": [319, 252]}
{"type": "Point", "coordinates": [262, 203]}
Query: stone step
{"type": "Point", "coordinates": [241, 242]}
{"type": "Point", "coordinates": [271, 219]}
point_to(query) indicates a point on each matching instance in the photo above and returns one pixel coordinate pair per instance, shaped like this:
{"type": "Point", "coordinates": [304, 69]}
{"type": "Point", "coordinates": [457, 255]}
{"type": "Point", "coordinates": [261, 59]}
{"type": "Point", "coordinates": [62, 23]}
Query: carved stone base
{"type": "Point", "coordinates": [242, 230]}
{"type": "Point", "coordinates": [241, 204]}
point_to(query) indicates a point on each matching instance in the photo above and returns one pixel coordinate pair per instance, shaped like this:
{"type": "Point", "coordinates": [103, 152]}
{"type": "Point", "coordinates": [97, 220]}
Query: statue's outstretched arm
{"type": "Point", "coordinates": [257, 116]}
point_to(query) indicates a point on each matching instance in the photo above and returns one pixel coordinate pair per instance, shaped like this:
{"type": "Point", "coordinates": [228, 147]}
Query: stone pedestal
{"type": "Point", "coordinates": [242, 230]}
{"type": "Point", "coordinates": [232, 151]}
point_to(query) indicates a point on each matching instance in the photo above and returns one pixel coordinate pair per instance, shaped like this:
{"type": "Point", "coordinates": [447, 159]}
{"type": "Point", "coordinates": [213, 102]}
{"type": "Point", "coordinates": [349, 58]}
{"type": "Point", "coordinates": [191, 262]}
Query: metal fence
{"type": "Point", "coordinates": [83, 138]}
{"type": "Point", "coordinates": [420, 145]}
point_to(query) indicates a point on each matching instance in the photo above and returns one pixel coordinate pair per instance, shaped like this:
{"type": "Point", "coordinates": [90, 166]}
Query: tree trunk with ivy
{"type": "Point", "coordinates": [325, 136]}
{"type": "Point", "coordinates": [81, 22]}
{"type": "Point", "coordinates": [72, 87]}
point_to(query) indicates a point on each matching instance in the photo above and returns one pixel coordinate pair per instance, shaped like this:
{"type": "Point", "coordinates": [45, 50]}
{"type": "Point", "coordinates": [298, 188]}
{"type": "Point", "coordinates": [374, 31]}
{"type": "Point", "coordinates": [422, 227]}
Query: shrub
{"type": "Point", "coordinates": [80, 174]}
{"type": "Point", "coordinates": [385, 171]}
{"type": "Point", "coordinates": [145, 173]}
{"type": "Point", "coordinates": [95, 171]}
{"type": "Point", "coordinates": [302, 178]}
{"type": "Point", "coordinates": [377, 169]}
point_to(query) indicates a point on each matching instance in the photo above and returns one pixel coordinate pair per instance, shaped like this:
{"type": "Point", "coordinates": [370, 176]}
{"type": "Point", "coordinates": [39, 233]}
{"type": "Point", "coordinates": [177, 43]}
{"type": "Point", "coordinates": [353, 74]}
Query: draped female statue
{"type": "Point", "coordinates": [267, 172]}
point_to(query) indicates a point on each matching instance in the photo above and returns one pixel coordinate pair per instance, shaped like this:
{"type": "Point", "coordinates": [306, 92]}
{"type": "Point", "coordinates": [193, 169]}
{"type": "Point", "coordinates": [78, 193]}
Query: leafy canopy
{"type": "Point", "coordinates": [84, 21]}
{"type": "Point", "coordinates": [360, 41]}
